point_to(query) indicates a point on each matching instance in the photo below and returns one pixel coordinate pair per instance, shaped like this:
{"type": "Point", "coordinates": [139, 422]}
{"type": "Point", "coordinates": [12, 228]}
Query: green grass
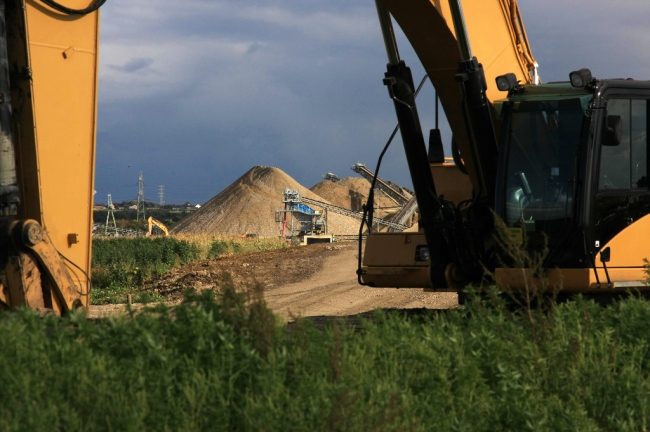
{"type": "Point", "coordinates": [226, 364]}
{"type": "Point", "coordinates": [122, 266]}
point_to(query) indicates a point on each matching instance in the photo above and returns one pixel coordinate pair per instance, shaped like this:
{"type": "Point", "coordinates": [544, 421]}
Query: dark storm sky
{"type": "Point", "coordinates": [194, 93]}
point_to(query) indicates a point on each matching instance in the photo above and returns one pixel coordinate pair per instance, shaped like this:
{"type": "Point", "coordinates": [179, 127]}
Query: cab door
{"type": "Point", "coordinates": [622, 195]}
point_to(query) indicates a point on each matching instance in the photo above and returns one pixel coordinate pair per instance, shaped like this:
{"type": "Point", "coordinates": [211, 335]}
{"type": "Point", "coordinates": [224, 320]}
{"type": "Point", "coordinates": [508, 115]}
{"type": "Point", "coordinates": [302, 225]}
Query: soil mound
{"type": "Point", "coordinates": [248, 206]}
{"type": "Point", "coordinates": [352, 192]}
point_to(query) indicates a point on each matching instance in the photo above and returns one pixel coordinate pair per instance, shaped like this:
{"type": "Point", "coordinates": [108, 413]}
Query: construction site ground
{"type": "Point", "coordinates": [315, 280]}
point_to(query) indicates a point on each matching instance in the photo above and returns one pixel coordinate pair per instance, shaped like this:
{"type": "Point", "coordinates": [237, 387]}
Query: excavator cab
{"type": "Point", "coordinates": [544, 129]}
{"type": "Point", "coordinates": [573, 177]}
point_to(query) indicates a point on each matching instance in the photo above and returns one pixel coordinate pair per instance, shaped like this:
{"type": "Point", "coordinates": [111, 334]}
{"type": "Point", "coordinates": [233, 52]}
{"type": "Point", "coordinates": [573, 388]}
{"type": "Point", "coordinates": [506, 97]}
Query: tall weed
{"type": "Point", "coordinates": [121, 266]}
{"type": "Point", "coordinates": [222, 362]}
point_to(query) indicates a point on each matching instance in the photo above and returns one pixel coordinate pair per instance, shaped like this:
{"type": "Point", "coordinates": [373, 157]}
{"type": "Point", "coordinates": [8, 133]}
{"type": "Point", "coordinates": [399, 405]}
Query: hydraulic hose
{"type": "Point", "coordinates": [60, 8]}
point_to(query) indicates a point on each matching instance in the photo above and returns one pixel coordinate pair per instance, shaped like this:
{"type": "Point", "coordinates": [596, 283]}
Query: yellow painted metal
{"type": "Point", "coordinates": [393, 249]}
{"type": "Point", "coordinates": [389, 261]}
{"type": "Point", "coordinates": [450, 182]}
{"type": "Point", "coordinates": [573, 280]}
{"type": "Point", "coordinates": [498, 40]}
{"type": "Point", "coordinates": [398, 277]}
{"type": "Point", "coordinates": [62, 55]}
{"type": "Point", "coordinates": [625, 269]}
{"type": "Point", "coordinates": [35, 274]}
{"type": "Point", "coordinates": [629, 247]}
{"type": "Point", "coordinates": [154, 222]}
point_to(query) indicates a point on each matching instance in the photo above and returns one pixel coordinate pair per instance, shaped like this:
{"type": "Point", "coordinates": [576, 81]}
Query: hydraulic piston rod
{"type": "Point", "coordinates": [9, 196]}
{"type": "Point", "coordinates": [461, 30]}
{"type": "Point", "coordinates": [399, 81]}
{"type": "Point", "coordinates": [387, 32]}
{"type": "Point", "coordinates": [476, 110]}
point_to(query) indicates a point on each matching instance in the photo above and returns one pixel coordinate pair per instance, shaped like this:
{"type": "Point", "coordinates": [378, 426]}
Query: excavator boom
{"type": "Point", "coordinates": [498, 39]}
{"type": "Point", "coordinates": [151, 222]}
{"type": "Point", "coordinates": [52, 58]}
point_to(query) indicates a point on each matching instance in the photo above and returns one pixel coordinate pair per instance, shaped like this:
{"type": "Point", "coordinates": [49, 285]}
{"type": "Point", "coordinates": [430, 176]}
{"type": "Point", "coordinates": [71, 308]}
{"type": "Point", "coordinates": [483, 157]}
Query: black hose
{"type": "Point", "coordinates": [60, 8]}
{"type": "Point", "coordinates": [368, 207]}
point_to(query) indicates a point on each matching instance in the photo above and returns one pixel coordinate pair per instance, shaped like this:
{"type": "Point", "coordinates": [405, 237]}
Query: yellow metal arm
{"type": "Point", "coordinates": [36, 275]}
{"type": "Point", "coordinates": [497, 37]}
{"type": "Point", "coordinates": [153, 222]}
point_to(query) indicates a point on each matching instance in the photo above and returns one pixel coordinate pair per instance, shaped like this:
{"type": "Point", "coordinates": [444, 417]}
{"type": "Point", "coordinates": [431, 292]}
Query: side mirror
{"type": "Point", "coordinates": [612, 131]}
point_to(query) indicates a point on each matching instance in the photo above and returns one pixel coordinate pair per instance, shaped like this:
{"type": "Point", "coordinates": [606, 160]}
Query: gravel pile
{"type": "Point", "coordinates": [248, 206]}
{"type": "Point", "coordinates": [345, 192]}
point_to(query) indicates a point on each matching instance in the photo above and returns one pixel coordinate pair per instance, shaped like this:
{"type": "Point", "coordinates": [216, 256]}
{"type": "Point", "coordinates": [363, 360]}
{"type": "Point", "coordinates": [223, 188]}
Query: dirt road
{"type": "Point", "coordinates": [308, 281]}
{"type": "Point", "coordinates": [334, 291]}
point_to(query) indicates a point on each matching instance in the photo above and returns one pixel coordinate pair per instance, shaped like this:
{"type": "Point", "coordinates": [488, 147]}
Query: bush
{"type": "Point", "coordinates": [223, 363]}
{"type": "Point", "coordinates": [121, 266]}
{"type": "Point", "coordinates": [143, 252]}
{"type": "Point", "coordinates": [224, 246]}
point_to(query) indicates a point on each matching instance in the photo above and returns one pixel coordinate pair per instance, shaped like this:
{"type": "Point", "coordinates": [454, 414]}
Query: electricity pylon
{"type": "Point", "coordinates": [140, 215]}
{"type": "Point", "coordinates": [110, 215]}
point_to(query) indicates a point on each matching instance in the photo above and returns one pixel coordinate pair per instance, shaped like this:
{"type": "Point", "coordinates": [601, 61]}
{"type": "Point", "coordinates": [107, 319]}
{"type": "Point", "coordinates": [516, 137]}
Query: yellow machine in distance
{"type": "Point", "coordinates": [151, 222]}
{"type": "Point", "coordinates": [50, 87]}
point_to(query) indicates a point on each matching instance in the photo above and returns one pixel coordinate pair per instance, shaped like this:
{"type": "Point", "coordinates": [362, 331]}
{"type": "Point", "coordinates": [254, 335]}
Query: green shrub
{"type": "Point", "coordinates": [143, 252]}
{"type": "Point", "coordinates": [123, 265]}
{"type": "Point", "coordinates": [224, 246]}
{"type": "Point", "coordinates": [223, 363]}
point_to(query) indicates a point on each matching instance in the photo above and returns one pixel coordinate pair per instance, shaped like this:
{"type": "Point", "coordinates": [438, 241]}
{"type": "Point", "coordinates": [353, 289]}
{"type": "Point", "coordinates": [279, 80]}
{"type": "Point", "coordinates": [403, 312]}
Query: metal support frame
{"type": "Point", "coordinates": [141, 198]}
{"type": "Point", "coordinates": [111, 214]}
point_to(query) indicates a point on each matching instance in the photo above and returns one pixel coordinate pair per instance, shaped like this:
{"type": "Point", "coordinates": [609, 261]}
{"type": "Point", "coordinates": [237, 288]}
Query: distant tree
{"type": "Point", "coordinates": [138, 225]}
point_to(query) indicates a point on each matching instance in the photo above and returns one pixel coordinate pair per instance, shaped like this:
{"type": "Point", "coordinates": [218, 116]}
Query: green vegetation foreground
{"type": "Point", "coordinates": [123, 265]}
{"type": "Point", "coordinates": [226, 364]}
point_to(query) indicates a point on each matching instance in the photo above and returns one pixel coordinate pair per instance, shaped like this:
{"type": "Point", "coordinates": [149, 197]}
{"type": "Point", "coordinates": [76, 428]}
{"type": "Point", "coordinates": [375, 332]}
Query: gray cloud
{"type": "Point", "coordinates": [133, 65]}
{"type": "Point", "coordinates": [219, 86]}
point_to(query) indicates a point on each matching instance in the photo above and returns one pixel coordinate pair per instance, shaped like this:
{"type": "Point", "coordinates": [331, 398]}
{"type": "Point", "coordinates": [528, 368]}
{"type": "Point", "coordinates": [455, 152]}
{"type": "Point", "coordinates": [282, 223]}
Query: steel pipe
{"type": "Point", "coordinates": [387, 31]}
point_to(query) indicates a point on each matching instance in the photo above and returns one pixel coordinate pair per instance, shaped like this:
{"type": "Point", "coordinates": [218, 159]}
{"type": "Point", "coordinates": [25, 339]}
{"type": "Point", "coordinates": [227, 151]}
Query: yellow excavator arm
{"type": "Point", "coordinates": [46, 223]}
{"type": "Point", "coordinates": [498, 39]}
{"type": "Point", "coordinates": [462, 68]}
{"type": "Point", "coordinates": [153, 222]}
{"type": "Point", "coordinates": [529, 186]}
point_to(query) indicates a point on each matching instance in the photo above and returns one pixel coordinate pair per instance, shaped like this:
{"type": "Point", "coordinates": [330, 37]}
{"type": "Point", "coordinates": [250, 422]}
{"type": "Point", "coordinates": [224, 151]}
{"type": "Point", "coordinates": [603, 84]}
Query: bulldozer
{"type": "Point", "coordinates": [48, 117]}
{"type": "Point", "coordinates": [558, 168]}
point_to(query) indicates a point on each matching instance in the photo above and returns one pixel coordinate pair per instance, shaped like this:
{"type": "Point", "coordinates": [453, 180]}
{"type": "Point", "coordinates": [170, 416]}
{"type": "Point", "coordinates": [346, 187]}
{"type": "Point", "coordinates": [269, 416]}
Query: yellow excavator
{"type": "Point", "coordinates": [562, 165]}
{"type": "Point", "coordinates": [48, 117]}
{"type": "Point", "coordinates": [151, 222]}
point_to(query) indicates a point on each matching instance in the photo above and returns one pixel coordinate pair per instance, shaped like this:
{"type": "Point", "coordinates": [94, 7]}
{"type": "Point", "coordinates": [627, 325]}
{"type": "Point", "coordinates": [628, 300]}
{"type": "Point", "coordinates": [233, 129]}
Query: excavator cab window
{"type": "Point", "coordinates": [623, 195]}
{"type": "Point", "coordinates": [624, 166]}
{"type": "Point", "coordinates": [543, 139]}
